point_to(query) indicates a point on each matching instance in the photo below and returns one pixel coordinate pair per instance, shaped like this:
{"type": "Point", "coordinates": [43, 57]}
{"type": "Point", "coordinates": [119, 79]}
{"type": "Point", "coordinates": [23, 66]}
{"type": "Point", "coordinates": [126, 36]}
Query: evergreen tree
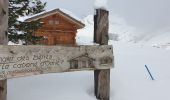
{"type": "Point", "coordinates": [19, 30]}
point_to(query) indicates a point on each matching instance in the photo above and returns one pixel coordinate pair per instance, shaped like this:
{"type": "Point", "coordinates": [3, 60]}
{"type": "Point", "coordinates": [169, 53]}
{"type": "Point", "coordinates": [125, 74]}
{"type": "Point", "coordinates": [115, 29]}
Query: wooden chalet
{"type": "Point", "coordinates": [83, 61]}
{"type": "Point", "coordinates": [59, 27]}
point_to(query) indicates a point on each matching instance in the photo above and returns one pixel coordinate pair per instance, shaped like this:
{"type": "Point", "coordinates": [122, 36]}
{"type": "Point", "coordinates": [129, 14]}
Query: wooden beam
{"type": "Point", "coordinates": [16, 61]}
{"type": "Point", "coordinates": [101, 77]}
{"type": "Point", "coordinates": [101, 26]}
{"type": "Point", "coordinates": [4, 41]}
{"type": "Point", "coordinates": [3, 21]}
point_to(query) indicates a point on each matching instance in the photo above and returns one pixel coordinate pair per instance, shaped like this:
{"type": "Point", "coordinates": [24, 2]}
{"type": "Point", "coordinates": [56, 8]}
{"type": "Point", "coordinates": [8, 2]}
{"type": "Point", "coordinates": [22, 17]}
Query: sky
{"type": "Point", "coordinates": [145, 15]}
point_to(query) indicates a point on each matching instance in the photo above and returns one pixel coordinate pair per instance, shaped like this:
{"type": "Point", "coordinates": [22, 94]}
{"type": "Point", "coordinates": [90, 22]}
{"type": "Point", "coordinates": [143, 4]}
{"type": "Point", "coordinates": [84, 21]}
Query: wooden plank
{"type": "Point", "coordinates": [102, 87]}
{"type": "Point", "coordinates": [101, 26]}
{"type": "Point", "coordinates": [3, 21]}
{"type": "Point", "coordinates": [16, 61]}
{"type": "Point", "coordinates": [4, 41]}
{"type": "Point", "coordinates": [101, 77]}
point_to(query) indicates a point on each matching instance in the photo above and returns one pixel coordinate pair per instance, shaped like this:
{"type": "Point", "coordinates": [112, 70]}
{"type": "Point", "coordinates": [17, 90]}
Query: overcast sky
{"type": "Point", "coordinates": [145, 15]}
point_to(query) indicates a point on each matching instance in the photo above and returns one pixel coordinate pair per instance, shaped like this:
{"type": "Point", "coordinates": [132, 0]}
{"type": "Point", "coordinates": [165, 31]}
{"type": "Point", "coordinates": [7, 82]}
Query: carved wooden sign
{"type": "Point", "coordinates": [16, 61]}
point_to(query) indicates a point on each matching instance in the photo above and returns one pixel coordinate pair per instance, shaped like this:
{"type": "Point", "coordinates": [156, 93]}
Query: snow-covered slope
{"type": "Point", "coordinates": [129, 78]}
{"type": "Point", "coordinates": [119, 30]}
{"type": "Point", "coordinates": [160, 39]}
{"type": "Point", "coordinates": [85, 35]}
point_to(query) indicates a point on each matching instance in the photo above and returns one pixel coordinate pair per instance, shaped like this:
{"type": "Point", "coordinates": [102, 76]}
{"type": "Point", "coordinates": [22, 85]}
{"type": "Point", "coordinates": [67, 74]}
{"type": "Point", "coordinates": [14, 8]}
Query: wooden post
{"type": "Point", "coordinates": [101, 77]}
{"type": "Point", "coordinates": [4, 41]}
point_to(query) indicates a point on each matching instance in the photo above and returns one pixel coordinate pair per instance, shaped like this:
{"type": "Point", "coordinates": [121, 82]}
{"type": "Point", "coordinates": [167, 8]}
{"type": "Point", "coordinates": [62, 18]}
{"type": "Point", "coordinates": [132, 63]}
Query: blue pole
{"type": "Point", "coordinates": [149, 72]}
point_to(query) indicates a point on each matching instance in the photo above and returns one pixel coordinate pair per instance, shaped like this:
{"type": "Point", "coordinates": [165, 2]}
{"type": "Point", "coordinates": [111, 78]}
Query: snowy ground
{"type": "Point", "coordinates": [129, 79]}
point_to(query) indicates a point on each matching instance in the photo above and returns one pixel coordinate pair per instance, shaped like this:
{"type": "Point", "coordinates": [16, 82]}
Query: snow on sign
{"type": "Point", "coordinates": [16, 61]}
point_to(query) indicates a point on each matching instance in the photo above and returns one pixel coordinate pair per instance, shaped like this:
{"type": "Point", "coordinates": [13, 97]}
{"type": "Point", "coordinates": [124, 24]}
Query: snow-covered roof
{"type": "Point", "coordinates": [46, 13]}
{"type": "Point", "coordinates": [100, 4]}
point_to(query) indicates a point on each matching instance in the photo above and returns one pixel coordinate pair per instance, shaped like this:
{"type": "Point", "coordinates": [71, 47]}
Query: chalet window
{"type": "Point", "coordinates": [53, 22]}
{"type": "Point", "coordinates": [56, 22]}
{"type": "Point", "coordinates": [50, 22]}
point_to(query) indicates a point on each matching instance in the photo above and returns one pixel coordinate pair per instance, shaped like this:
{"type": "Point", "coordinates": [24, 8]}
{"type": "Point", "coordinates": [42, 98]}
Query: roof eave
{"type": "Point", "coordinates": [79, 24]}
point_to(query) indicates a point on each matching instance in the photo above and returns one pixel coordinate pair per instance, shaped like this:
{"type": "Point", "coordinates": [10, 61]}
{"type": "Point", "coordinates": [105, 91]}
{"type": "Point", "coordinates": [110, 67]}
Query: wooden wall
{"type": "Point", "coordinates": [57, 30]}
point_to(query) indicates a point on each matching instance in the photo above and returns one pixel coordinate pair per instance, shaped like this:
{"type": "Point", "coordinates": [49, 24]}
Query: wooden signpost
{"type": "Point", "coordinates": [16, 61]}
{"type": "Point", "coordinates": [101, 77]}
{"type": "Point", "coordinates": [20, 61]}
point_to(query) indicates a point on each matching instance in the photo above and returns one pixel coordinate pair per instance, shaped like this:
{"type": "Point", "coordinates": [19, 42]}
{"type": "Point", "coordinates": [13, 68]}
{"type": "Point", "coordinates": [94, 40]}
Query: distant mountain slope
{"type": "Point", "coordinates": [160, 39]}
{"type": "Point", "coordinates": [85, 35]}
{"type": "Point", "coordinates": [119, 30]}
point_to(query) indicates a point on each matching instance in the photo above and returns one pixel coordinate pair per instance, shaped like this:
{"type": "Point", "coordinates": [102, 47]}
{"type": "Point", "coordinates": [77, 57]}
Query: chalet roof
{"type": "Point", "coordinates": [65, 13]}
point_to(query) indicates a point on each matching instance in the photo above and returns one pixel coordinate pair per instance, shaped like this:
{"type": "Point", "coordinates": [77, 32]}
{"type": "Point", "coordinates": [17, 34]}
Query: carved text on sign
{"type": "Point", "coordinates": [18, 61]}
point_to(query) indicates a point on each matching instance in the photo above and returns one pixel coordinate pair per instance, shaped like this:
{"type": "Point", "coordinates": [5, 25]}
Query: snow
{"type": "Point", "coordinates": [158, 39]}
{"type": "Point", "coordinates": [69, 13]}
{"type": "Point", "coordinates": [117, 27]}
{"type": "Point", "coordinates": [129, 77]}
{"type": "Point", "coordinates": [120, 31]}
{"type": "Point", "coordinates": [11, 43]}
{"type": "Point", "coordinates": [100, 4]}
{"type": "Point", "coordinates": [85, 35]}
